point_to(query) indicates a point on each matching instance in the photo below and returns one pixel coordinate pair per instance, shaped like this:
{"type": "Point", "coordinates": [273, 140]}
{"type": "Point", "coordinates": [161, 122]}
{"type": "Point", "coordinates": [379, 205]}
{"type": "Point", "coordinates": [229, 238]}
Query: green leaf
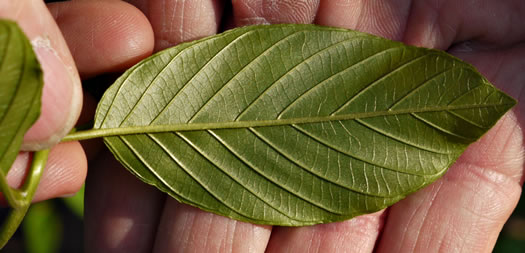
{"type": "Point", "coordinates": [20, 91]}
{"type": "Point", "coordinates": [295, 124]}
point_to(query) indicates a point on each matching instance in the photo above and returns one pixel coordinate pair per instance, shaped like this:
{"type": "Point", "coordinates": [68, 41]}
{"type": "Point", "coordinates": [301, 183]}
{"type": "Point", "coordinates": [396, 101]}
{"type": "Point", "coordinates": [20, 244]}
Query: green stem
{"type": "Point", "coordinates": [181, 127]}
{"type": "Point", "coordinates": [13, 196]}
{"type": "Point", "coordinates": [22, 197]}
{"type": "Point", "coordinates": [35, 173]}
{"type": "Point", "coordinates": [13, 220]}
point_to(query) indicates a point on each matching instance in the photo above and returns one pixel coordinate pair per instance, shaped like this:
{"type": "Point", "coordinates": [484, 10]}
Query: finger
{"type": "Point", "coordinates": [176, 21]}
{"type": "Point", "coordinates": [76, 18]}
{"type": "Point", "coordinates": [462, 212]}
{"type": "Point", "coordinates": [383, 18]}
{"type": "Point", "coordinates": [356, 235]}
{"type": "Point", "coordinates": [62, 98]}
{"type": "Point", "coordinates": [103, 36]}
{"type": "Point", "coordinates": [252, 12]}
{"type": "Point", "coordinates": [61, 103]}
{"type": "Point", "coordinates": [188, 229]}
{"type": "Point", "coordinates": [63, 175]}
{"type": "Point", "coordinates": [466, 209]}
{"type": "Point", "coordinates": [121, 211]}
{"type": "Point", "coordinates": [439, 24]}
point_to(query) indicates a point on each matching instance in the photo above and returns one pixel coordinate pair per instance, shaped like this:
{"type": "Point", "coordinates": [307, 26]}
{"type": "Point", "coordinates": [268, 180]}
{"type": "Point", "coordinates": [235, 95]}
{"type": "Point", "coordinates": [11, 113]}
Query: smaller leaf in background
{"type": "Point", "coordinates": [20, 91]}
{"type": "Point", "coordinates": [76, 202]}
{"type": "Point", "coordinates": [42, 228]}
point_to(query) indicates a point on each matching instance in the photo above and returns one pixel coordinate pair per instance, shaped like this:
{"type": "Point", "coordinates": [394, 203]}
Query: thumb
{"type": "Point", "coordinates": [62, 94]}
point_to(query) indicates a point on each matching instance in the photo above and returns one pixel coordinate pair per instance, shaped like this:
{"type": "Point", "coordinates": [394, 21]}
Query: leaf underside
{"type": "Point", "coordinates": [296, 124]}
{"type": "Point", "coordinates": [21, 85]}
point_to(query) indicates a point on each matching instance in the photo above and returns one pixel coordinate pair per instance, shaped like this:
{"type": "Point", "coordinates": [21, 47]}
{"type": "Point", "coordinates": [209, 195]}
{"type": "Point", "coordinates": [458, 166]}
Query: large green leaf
{"type": "Point", "coordinates": [295, 124]}
{"type": "Point", "coordinates": [20, 91]}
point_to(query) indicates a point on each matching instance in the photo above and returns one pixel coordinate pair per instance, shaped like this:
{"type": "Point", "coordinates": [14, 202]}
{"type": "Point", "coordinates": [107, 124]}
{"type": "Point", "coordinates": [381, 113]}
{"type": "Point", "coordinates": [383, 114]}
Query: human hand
{"type": "Point", "coordinates": [61, 103]}
{"type": "Point", "coordinates": [463, 211]}
{"type": "Point", "coordinates": [62, 94]}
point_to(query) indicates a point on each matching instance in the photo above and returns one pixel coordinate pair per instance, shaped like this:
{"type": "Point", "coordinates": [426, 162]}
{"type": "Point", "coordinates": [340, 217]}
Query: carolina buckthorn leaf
{"type": "Point", "coordinates": [295, 124]}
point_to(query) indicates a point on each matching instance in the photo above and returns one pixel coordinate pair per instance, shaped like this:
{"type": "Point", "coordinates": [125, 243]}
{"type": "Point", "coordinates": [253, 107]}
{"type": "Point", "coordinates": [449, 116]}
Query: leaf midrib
{"type": "Point", "coordinates": [180, 127]}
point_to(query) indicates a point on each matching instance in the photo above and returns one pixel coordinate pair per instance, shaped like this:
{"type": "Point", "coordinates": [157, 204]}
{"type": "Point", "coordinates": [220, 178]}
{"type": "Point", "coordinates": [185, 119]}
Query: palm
{"type": "Point", "coordinates": [463, 211]}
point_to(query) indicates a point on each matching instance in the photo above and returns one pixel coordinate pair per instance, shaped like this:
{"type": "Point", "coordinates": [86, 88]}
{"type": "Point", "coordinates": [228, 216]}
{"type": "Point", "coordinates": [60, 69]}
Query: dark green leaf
{"type": "Point", "coordinates": [20, 91]}
{"type": "Point", "coordinates": [296, 124]}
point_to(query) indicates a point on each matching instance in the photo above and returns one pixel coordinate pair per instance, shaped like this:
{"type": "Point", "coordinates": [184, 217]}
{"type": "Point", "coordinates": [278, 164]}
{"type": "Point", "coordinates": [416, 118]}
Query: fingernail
{"type": "Point", "coordinates": [56, 99]}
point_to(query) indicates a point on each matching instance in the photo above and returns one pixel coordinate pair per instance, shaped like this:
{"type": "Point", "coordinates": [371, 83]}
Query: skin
{"type": "Point", "coordinates": [462, 212]}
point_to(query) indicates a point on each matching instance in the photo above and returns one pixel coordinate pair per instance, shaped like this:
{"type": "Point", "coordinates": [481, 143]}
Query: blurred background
{"type": "Point", "coordinates": [50, 226]}
{"type": "Point", "coordinates": [512, 238]}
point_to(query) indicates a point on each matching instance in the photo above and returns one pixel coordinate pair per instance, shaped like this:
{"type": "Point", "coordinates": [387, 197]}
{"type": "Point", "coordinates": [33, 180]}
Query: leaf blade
{"type": "Point", "coordinates": [295, 124]}
{"type": "Point", "coordinates": [21, 90]}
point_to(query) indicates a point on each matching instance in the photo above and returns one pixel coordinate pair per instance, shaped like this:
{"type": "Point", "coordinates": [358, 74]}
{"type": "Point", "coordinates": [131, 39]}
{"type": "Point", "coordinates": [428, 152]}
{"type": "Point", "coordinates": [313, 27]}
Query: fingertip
{"type": "Point", "coordinates": [104, 36]}
{"type": "Point", "coordinates": [66, 171]}
{"type": "Point", "coordinates": [249, 12]}
{"type": "Point", "coordinates": [179, 21]}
